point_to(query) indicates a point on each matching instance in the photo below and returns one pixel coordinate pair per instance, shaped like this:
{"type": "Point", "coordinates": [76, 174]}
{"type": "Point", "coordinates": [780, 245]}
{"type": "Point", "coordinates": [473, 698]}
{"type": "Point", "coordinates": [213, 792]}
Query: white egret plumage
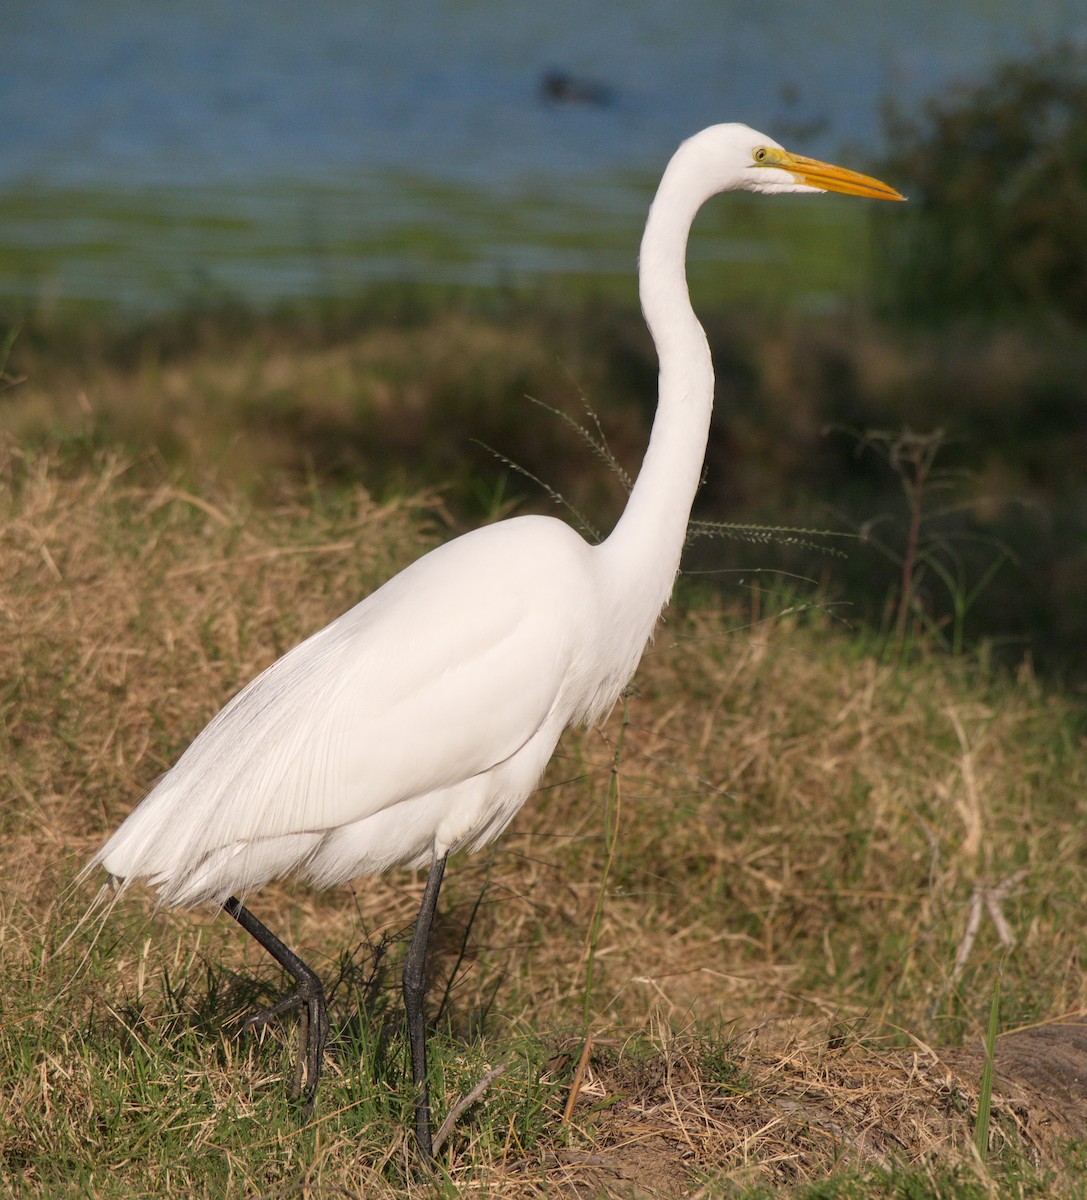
{"type": "Point", "coordinates": [419, 722]}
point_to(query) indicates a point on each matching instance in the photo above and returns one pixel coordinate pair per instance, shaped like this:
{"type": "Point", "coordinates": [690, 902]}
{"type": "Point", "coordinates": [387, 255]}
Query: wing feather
{"type": "Point", "coordinates": [436, 677]}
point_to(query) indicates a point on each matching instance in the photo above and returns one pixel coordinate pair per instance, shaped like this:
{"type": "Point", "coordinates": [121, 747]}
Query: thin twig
{"type": "Point", "coordinates": [987, 898]}
{"type": "Point", "coordinates": [446, 1127]}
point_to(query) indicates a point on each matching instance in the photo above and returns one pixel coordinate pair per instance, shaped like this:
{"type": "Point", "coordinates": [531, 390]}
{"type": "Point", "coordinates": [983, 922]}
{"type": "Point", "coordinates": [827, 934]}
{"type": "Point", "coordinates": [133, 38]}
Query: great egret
{"type": "Point", "coordinates": [419, 722]}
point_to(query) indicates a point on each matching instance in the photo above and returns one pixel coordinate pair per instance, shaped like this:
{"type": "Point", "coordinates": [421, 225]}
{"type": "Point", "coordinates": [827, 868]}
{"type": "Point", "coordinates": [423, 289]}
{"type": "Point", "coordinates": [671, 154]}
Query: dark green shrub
{"type": "Point", "coordinates": [996, 175]}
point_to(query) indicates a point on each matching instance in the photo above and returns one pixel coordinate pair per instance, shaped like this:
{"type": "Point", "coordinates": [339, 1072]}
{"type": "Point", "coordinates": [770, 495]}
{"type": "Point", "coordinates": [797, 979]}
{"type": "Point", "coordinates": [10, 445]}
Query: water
{"type": "Point", "coordinates": [153, 152]}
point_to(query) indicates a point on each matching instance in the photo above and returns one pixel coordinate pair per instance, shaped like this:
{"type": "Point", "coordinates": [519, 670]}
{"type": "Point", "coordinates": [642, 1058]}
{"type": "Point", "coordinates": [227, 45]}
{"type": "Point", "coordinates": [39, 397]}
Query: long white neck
{"type": "Point", "coordinates": [641, 557]}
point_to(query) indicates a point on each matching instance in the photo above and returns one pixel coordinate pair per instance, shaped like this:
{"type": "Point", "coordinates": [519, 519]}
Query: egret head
{"type": "Point", "coordinates": [737, 158]}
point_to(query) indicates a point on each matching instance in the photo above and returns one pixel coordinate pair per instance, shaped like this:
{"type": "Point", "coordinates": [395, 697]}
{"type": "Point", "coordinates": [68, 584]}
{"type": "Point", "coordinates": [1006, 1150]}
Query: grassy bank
{"type": "Point", "coordinates": [834, 423]}
{"type": "Point", "coordinates": [744, 941]}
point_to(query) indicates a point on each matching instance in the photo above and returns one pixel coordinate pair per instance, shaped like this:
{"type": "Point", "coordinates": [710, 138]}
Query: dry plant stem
{"type": "Point", "coordinates": [464, 1103]}
{"type": "Point", "coordinates": [414, 995]}
{"type": "Point", "coordinates": [579, 1075]}
{"type": "Point", "coordinates": [986, 898]}
{"type": "Point", "coordinates": [313, 1024]}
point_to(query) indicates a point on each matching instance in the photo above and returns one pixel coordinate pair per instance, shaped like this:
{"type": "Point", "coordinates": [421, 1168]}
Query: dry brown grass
{"type": "Point", "coordinates": [402, 400]}
{"type": "Point", "coordinates": [392, 400]}
{"type": "Point", "coordinates": [784, 959]}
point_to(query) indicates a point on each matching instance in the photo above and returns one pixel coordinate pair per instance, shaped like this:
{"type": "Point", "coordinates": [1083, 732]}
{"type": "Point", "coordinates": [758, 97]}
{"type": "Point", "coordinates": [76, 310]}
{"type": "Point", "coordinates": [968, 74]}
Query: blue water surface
{"type": "Point", "coordinates": [151, 151]}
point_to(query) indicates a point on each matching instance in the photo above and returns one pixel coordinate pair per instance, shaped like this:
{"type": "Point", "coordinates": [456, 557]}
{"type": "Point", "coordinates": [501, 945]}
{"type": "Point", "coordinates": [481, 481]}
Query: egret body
{"type": "Point", "coordinates": [418, 723]}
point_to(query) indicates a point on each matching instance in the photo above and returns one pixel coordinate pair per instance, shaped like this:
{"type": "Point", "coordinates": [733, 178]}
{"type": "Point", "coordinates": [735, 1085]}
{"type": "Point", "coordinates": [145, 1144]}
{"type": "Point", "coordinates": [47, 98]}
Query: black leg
{"type": "Point", "coordinates": [313, 1021]}
{"type": "Point", "coordinates": [414, 994]}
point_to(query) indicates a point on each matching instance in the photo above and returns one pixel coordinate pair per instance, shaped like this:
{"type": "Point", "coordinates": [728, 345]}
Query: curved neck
{"type": "Point", "coordinates": [643, 552]}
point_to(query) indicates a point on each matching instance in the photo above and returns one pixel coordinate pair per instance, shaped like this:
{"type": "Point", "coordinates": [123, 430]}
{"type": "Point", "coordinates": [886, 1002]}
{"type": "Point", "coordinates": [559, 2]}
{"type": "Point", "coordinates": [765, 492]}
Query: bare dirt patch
{"type": "Point", "coordinates": [807, 1107]}
{"type": "Point", "coordinates": [1040, 1076]}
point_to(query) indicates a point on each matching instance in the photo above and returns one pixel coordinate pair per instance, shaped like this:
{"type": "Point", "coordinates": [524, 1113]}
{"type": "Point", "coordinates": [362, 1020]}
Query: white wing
{"type": "Point", "coordinates": [440, 675]}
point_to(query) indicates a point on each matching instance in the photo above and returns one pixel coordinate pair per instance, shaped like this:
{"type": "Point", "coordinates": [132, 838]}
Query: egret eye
{"type": "Point", "coordinates": [760, 154]}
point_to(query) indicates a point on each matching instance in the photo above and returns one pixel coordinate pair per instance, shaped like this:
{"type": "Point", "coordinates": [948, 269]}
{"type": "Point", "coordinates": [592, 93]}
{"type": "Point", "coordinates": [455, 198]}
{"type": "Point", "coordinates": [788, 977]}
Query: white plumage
{"type": "Point", "coordinates": [415, 723]}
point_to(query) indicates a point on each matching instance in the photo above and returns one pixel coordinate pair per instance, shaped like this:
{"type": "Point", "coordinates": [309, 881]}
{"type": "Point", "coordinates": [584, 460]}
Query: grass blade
{"type": "Point", "coordinates": [985, 1093]}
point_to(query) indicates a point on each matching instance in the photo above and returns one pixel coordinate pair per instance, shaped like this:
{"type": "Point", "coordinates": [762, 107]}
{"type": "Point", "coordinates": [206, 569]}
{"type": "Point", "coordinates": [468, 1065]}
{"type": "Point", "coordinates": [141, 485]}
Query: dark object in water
{"type": "Point", "coordinates": [557, 87]}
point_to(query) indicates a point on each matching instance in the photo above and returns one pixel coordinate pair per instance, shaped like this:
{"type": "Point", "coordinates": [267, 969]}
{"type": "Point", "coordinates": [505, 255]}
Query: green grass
{"type": "Point", "coordinates": [85, 250]}
{"type": "Point", "coordinates": [908, 1184]}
